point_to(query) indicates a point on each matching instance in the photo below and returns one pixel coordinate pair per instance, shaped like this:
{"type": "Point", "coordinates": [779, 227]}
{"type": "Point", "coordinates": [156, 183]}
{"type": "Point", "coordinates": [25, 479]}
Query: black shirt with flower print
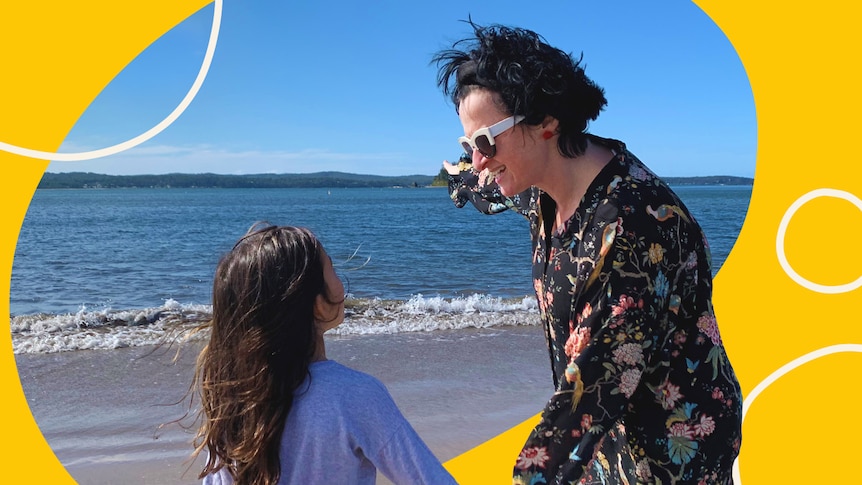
{"type": "Point", "coordinates": [644, 390]}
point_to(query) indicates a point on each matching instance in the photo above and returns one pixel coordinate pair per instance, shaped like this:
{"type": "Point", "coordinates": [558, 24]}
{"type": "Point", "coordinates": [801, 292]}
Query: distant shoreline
{"type": "Point", "coordinates": [328, 180]}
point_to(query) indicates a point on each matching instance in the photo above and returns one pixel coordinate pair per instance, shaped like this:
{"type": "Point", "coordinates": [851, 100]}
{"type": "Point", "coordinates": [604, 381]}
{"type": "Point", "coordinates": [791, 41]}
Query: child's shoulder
{"type": "Point", "coordinates": [338, 374]}
{"type": "Point", "coordinates": [350, 387]}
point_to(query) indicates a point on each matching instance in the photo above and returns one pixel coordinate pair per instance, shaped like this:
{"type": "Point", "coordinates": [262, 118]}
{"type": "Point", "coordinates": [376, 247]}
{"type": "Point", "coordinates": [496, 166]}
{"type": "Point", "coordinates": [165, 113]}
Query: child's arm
{"type": "Point", "coordinates": [400, 453]}
{"type": "Point", "coordinates": [406, 459]}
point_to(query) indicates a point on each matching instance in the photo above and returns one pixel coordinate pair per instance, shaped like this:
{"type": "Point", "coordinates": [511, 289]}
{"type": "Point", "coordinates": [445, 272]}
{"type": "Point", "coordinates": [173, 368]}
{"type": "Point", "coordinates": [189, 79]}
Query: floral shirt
{"type": "Point", "coordinates": [644, 390]}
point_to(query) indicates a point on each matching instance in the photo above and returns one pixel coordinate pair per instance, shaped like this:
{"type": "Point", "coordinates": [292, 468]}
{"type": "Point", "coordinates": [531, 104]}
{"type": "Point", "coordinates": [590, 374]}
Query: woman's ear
{"type": "Point", "coordinates": [550, 124]}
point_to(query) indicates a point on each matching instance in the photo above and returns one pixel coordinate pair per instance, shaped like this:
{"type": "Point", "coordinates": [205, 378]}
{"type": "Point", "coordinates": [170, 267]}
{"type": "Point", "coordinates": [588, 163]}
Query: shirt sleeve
{"type": "Point", "coordinates": [396, 449]}
{"type": "Point", "coordinates": [406, 459]}
{"type": "Point", "coordinates": [221, 477]}
{"type": "Point", "coordinates": [465, 187]}
{"type": "Point", "coordinates": [614, 327]}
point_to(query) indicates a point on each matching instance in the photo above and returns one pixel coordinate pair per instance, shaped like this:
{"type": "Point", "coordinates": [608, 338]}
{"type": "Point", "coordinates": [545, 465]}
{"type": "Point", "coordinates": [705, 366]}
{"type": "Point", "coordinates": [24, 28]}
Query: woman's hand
{"type": "Point", "coordinates": [451, 169]}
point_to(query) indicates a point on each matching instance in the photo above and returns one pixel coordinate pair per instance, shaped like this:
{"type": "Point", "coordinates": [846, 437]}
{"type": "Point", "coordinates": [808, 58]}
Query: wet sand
{"type": "Point", "coordinates": [100, 410]}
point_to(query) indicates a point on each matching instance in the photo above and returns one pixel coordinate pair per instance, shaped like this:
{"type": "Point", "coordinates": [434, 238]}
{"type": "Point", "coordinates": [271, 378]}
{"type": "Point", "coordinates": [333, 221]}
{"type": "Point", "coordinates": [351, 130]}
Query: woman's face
{"type": "Point", "coordinates": [330, 315]}
{"type": "Point", "coordinates": [517, 159]}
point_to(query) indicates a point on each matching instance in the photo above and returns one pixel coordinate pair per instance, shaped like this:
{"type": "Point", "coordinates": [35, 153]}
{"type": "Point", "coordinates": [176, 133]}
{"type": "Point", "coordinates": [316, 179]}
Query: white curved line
{"type": "Point", "coordinates": [797, 362]}
{"type": "Point", "coordinates": [155, 130]}
{"type": "Point", "coordinates": [782, 230]}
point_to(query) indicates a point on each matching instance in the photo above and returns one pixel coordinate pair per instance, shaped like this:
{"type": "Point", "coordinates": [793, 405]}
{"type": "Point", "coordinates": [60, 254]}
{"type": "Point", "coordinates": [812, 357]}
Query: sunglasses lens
{"type": "Point", "coordinates": [483, 144]}
{"type": "Point", "coordinates": [467, 148]}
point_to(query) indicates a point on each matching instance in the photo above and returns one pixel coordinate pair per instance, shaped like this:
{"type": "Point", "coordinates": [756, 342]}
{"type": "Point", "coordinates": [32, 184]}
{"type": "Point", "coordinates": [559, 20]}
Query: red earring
{"type": "Point", "coordinates": [547, 135]}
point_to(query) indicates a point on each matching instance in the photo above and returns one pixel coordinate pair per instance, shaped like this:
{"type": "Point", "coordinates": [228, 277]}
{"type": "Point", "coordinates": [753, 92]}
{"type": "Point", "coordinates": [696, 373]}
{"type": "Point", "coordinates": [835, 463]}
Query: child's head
{"type": "Point", "coordinates": [274, 294]}
{"type": "Point", "coordinates": [278, 284]}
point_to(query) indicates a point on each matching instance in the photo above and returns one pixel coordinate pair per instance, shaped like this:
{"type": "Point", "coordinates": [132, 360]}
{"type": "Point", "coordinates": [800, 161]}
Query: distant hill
{"type": "Point", "coordinates": [85, 180]}
{"type": "Point", "coordinates": [709, 180]}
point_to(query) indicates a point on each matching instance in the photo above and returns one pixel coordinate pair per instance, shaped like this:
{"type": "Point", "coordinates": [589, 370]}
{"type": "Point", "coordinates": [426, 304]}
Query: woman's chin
{"type": "Point", "coordinates": [508, 189]}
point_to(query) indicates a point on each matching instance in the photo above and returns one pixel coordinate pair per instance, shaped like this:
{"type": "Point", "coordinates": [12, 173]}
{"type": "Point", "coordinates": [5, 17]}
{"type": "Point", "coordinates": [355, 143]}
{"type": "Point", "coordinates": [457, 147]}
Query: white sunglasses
{"type": "Point", "coordinates": [483, 138]}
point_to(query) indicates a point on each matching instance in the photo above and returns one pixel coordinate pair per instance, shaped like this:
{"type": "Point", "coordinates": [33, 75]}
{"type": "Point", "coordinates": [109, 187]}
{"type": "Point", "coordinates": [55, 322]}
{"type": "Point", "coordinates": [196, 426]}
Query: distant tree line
{"type": "Point", "coordinates": [84, 180]}
{"type": "Point", "coordinates": [87, 180]}
{"type": "Point", "coordinates": [709, 180]}
{"type": "Point", "coordinates": [442, 179]}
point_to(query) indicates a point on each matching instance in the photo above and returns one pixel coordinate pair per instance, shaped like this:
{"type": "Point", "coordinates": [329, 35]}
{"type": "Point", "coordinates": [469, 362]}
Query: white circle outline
{"type": "Point", "coordinates": [797, 362]}
{"type": "Point", "coordinates": [782, 230]}
{"type": "Point", "coordinates": [155, 130]}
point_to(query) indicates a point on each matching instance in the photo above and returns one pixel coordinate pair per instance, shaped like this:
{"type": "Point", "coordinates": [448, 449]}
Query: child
{"type": "Point", "coordinates": [274, 409]}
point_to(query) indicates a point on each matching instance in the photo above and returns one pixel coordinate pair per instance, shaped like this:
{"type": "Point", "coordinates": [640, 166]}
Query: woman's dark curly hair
{"type": "Point", "coordinates": [531, 78]}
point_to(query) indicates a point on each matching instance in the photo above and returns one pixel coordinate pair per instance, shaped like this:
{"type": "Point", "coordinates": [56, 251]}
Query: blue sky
{"type": "Point", "coordinates": [303, 86]}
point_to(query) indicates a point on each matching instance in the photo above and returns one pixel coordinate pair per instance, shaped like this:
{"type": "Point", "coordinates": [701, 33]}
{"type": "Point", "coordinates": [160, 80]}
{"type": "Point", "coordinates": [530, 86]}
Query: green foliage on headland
{"type": "Point", "coordinates": [441, 179]}
{"type": "Point", "coordinates": [87, 180]}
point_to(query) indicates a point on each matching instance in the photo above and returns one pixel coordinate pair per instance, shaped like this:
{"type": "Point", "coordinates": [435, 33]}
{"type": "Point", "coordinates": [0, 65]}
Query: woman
{"type": "Point", "coordinates": [644, 390]}
{"type": "Point", "coordinates": [274, 409]}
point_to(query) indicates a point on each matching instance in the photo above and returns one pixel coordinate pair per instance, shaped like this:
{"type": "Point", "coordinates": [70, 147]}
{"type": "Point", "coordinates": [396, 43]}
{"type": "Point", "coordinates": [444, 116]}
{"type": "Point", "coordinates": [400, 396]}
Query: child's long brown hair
{"type": "Point", "coordinates": [262, 341]}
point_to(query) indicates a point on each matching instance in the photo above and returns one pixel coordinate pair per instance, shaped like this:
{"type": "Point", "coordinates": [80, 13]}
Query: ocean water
{"type": "Point", "coordinates": [112, 268]}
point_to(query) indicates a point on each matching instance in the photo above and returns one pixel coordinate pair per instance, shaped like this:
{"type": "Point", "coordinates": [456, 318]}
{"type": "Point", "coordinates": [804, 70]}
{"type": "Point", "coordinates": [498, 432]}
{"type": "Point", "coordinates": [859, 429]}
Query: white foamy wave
{"type": "Point", "coordinates": [436, 313]}
{"type": "Point", "coordinates": [468, 304]}
{"type": "Point", "coordinates": [101, 329]}
{"type": "Point", "coordinates": [106, 329]}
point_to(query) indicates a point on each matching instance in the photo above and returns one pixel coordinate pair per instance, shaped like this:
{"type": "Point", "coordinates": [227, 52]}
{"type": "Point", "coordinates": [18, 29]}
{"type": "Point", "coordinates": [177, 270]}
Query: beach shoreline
{"type": "Point", "coordinates": [100, 410]}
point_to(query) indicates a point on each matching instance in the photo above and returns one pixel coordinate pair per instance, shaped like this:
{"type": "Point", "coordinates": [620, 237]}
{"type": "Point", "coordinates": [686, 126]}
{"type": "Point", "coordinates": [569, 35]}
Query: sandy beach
{"type": "Point", "coordinates": [100, 410]}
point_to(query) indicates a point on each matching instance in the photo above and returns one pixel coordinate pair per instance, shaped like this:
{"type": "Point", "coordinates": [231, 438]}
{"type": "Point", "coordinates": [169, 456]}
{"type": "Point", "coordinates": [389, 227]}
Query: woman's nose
{"type": "Point", "coordinates": [479, 161]}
